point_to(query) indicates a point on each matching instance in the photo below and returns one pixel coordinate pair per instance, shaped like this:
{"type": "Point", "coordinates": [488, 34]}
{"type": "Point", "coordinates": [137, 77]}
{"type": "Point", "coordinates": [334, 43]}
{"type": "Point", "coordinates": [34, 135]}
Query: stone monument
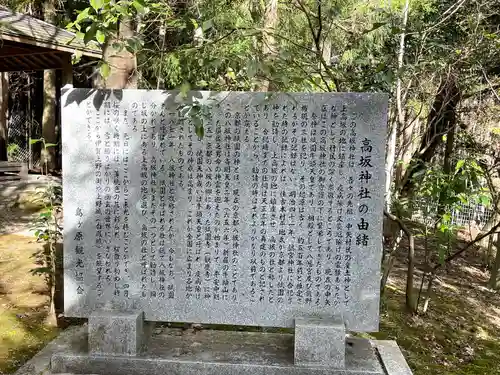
{"type": "Point", "coordinates": [238, 209]}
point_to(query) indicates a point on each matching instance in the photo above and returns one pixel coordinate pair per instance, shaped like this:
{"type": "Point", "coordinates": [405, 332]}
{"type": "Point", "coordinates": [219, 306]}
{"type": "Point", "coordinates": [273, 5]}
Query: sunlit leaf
{"type": "Point", "coordinates": [100, 36]}
{"type": "Point", "coordinates": [34, 141]}
{"type": "Point", "coordinates": [82, 15]}
{"type": "Point", "coordinates": [96, 4]}
{"type": "Point", "coordinates": [105, 70]}
{"type": "Point", "coordinates": [484, 200]}
{"type": "Point", "coordinates": [140, 6]}
{"type": "Point", "coordinates": [185, 87]}
{"type": "Point", "coordinates": [459, 165]}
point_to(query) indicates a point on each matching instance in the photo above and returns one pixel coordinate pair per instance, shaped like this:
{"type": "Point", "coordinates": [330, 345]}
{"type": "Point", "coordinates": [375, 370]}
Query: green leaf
{"type": "Point", "coordinates": [83, 15]}
{"type": "Point", "coordinates": [97, 4]}
{"type": "Point", "coordinates": [90, 33]}
{"type": "Point", "coordinates": [76, 57]}
{"type": "Point", "coordinates": [484, 200]}
{"type": "Point", "coordinates": [207, 25]}
{"type": "Point", "coordinates": [376, 25]}
{"type": "Point", "coordinates": [118, 47]}
{"type": "Point", "coordinates": [105, 70]}
{"type": "Point", "coordinates": [185, 87]}
{"type": "Point", "coordinates": [446, 218]}
{"type": "Point", "coordinates": [50, 144]}
{"type": "Point", "coordinates": [200, 131]}
{"type": "Point", "coordinates": [134, 45]}
{"type": "Point", "coordinates": [139, 6]}
{"type": "Point", "coordinates": [230, 74]}
{"type": "Point", "coordinates": [80, 35]}
{"type": "Point", "coordinates": [34, 141]}
{"type": "Point", "coordinates": [100, 36]}
{"type": "Point", "coordinates": [459, 165]}
{"type": "Point", "coordinates": [202, 83]}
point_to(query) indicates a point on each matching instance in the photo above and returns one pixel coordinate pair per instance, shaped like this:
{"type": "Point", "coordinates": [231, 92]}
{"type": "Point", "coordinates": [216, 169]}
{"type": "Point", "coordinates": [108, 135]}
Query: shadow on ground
{"type": "Point", "coordinates": [20, 204]}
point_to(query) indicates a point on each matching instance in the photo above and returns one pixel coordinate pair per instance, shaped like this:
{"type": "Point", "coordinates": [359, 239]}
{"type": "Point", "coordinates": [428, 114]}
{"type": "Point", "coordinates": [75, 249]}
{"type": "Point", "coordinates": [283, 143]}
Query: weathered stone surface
{"type": "Point", "coordinates": [320, 342]}
{"type": "Point", "coordinates": [392, 359]}
{"type": "Point", "coordinates": [216, 353]}
{"type": "Point", "coordinates": [215, 349]}
{"type": "Point", "coordinates": [275, 214]}
{"type": "Point", "coordinates": [117, 333]}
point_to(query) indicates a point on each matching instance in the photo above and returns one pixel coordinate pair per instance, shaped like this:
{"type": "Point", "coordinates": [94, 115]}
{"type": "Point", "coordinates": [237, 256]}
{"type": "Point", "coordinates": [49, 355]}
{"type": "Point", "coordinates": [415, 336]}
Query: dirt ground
{"type": "Point", "coordinates": [460, 333]}
{"type": "Point", "coordinates": [23, 304]}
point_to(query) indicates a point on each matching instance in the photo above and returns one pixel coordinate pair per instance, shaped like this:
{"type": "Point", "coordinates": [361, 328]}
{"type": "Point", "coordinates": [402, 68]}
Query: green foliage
{"type": "Point", "coordinates": [12, 150]}
{"type": "Point", "coordinates": [438, 194]}
{"type": "Point", "coordinates": [47, 228]}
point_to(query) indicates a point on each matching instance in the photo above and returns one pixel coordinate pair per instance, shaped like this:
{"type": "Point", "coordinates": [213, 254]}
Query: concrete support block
{"type": "Point", "coordinates": [116, 333]}
{"type": "Point", "coordinates": [319, 342]}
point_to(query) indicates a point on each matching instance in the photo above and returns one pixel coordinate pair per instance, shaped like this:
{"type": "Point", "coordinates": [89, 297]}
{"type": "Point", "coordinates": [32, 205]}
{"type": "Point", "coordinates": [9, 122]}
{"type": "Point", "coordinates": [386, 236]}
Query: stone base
{"type": "Point", "coordinates": [319, 342]}
{"type": "Point", "coordinates": [115, 333]}
{"type": "Point", "coordinates": [207, 352]}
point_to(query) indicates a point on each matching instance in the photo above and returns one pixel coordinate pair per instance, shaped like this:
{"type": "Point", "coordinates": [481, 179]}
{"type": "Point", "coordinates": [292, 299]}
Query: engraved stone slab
{"type": "Point", "coordinates": [275, 214]}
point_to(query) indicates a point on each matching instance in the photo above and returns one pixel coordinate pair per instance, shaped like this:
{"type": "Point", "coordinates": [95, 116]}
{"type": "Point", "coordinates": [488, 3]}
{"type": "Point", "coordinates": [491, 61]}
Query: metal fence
{"type": "Point", "coordinates": [21, 129]}
{"type": "Point", "coordinates": [464, 215]}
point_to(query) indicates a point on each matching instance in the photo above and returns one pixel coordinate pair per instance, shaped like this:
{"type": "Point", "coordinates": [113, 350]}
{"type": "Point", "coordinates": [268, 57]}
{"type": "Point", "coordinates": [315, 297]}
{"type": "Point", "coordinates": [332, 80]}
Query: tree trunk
{"type": "Point", "coordinates": [49, 119]}
{"type": "Point", "coordinates": [410, 300]}
{"type": "Point", "coordinates": [442, 118]}
{"type": "Point", "coordinates": [123, 64]}
{"type": "Point", "coordinates": [494, 282]}
{"type": "Point", "coordinates": [269, 47]}
{"type": "Point", "coordinates": [49, 100]}
{"type": "Point", "coordinates": [448, 153]}
{"type": "Point", "coordinates": [389, 262]}
{"type": "Point", "coordinates": [4, 107]}
{"type": "Point", "coordinates": [428, 293]}
{"type": "Point", "coordinates": [400, 115]}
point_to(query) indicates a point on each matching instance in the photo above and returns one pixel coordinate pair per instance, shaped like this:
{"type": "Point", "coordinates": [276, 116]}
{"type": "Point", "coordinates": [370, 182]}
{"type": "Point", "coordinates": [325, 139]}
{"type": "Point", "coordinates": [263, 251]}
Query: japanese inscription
{"type": "Point", "coordinates": [274, 214]}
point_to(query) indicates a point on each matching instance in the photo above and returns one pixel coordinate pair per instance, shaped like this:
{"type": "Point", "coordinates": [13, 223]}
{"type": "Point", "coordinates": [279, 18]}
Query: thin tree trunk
{"type": "Point", "coordinates": [269, 47]}
{"type": "Point", "coordinates": [400, 115]}
{"type": "Point", "coordinates": [389, 263]}
{"type": "Point", "coordinates": [494, 283]}
{"type": "Point", "coordinates": [410, 300]}
{"type": "Point", "coordinates": [428, 292]}
{"type": "Point", "coordinates": [4, 107]}
{"type": "Point", "coordinates": [411, 261]}
{"type": "Point", "coordinates": [450, 142]}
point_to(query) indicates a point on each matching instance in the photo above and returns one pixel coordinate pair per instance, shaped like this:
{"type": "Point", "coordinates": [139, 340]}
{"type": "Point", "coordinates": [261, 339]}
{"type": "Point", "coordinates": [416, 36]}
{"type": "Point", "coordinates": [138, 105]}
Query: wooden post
{"type": "Point", "coordinates": [66, 79]}
{"type": "Point", "coordinates": [4, 106]}
{"type": "Point", "coordinates": [67, 71]}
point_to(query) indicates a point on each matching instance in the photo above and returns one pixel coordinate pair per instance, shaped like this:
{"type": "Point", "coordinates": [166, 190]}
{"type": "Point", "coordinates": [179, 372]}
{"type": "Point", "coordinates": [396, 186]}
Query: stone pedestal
{"type": "Point", "coordinates": [319, 342]}
{"type": "Point", "coordinates": [211, 352]}
{"type": "Point", "coordinates": [116, 333]}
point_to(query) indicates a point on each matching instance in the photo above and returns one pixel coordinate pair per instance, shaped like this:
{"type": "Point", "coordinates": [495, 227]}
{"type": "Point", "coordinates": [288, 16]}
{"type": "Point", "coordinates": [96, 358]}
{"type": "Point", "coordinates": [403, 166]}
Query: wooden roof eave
{"type": "Point", "coordinates": [58, 47]}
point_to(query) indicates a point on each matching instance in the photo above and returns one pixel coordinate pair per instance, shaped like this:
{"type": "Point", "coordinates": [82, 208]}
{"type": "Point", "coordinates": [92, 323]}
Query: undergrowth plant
{"type": "Point", "coordinates": [48, 230]}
